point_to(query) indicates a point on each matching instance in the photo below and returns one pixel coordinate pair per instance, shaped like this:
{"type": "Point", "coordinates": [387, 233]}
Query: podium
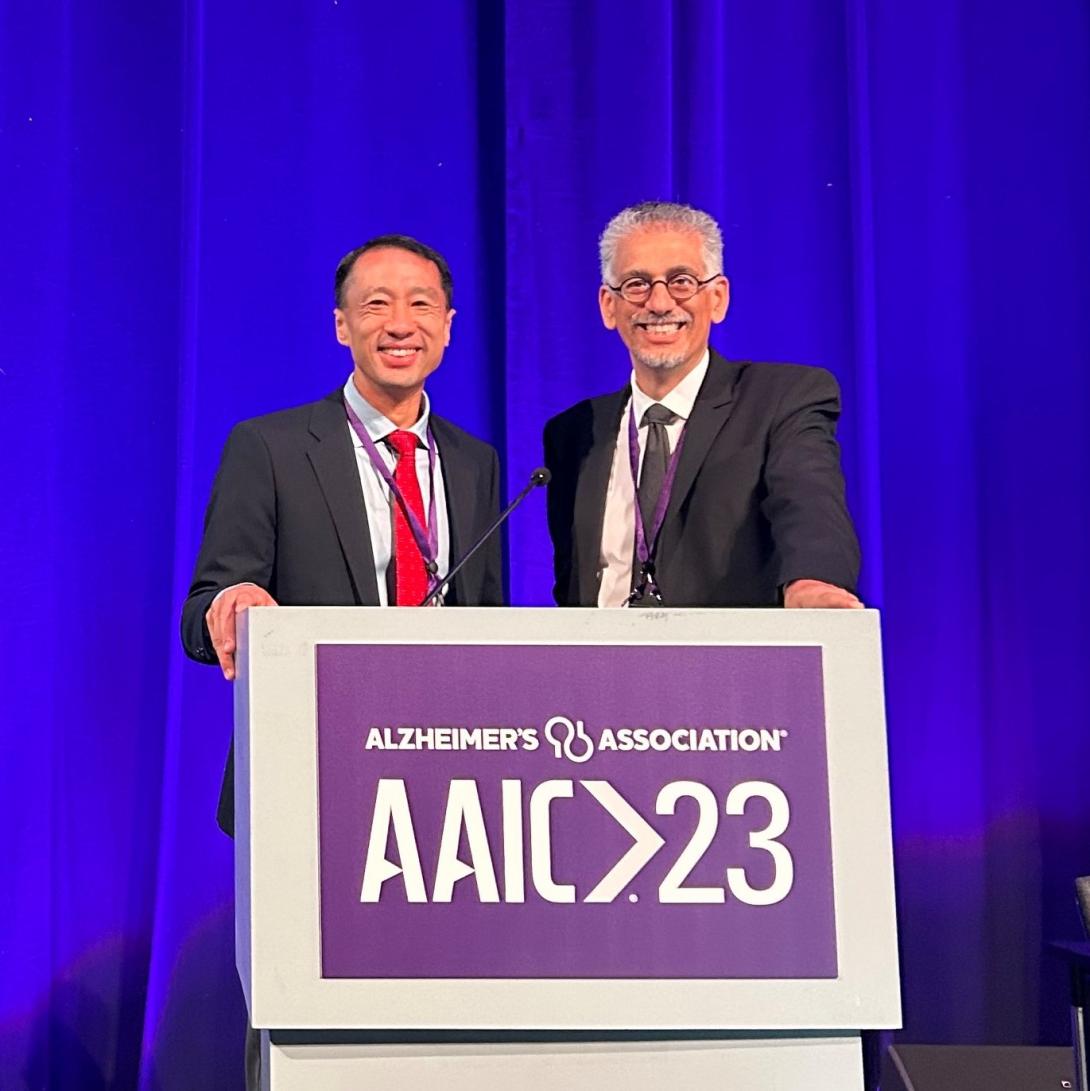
{"type": "Point", "coordinates": [564, 848]}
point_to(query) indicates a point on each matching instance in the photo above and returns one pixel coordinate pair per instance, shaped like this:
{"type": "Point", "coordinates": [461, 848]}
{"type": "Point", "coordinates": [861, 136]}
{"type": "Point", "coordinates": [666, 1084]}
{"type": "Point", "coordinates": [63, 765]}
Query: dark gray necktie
{"type": "Point", "coordinates": [656, 459]}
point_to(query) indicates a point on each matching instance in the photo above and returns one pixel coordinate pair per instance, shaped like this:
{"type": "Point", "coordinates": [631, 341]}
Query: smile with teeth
{"type": "Point", "coordinates": [399, 352]}
{"type": "Point", "coordinates": [661, 327]}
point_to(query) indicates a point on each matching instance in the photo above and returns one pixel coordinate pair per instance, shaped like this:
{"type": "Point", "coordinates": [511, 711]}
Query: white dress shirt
{"type": "Point", "coordinates": [376, 493]}
{"type": "Point", "coordinates": [619, 523]}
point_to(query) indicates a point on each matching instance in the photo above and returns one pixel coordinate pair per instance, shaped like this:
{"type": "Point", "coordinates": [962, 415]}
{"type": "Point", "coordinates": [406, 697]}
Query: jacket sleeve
{"type": "Point", "coordinates": [239, 543]}
{"type": "Point", "coordinates": [805, 504]}
{"type": "Point", "coordinates": [559, 506]}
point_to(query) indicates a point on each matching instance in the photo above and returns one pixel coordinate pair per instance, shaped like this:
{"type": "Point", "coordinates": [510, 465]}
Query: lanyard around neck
{"type": "Point", "coordinates": [427, 539]}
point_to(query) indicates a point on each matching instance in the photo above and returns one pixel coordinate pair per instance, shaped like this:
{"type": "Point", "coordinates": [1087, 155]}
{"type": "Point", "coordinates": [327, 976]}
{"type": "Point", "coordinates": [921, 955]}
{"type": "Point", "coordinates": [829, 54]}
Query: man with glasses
{"type": "Point", "coordinates": [703, 482]}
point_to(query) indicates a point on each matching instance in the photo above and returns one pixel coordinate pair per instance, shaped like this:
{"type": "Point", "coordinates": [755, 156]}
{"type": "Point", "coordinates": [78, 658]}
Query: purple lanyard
{"type": "Point", "coordinates": [645, 550]}
{"type": "Point", "coordinates": [426, 541]}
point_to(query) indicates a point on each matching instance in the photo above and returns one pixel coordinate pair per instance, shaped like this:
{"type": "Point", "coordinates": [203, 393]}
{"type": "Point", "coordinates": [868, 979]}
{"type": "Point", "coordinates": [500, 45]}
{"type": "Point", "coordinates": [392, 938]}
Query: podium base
{"type": "Point", "coordinates": [765, 1063]}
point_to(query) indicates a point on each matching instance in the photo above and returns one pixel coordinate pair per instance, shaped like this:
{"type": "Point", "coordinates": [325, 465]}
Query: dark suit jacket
{"type": "Point", "coordinates": [287, 513]}
{"type": "Point", "coordinates": [758, 500]}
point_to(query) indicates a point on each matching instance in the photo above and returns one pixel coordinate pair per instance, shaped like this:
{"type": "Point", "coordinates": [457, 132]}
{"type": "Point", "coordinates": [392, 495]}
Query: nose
{"type": "Point", "coordinates": [660, 299]}
{"type": "Point", "coordinates": [399, 320]}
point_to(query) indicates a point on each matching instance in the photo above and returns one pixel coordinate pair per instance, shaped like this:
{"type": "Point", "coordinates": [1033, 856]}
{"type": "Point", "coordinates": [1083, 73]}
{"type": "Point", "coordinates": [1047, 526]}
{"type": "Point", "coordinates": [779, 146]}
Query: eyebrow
{"type": "Point", "coordinates": [420, 289]}
{"type": "Point", "coordinates": [672, 272]}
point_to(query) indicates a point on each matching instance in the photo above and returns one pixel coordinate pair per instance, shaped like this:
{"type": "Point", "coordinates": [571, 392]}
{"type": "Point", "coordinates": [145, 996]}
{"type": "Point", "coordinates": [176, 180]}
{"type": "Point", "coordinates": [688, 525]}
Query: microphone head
{"type": "Point", "coordinates": [541, 476]}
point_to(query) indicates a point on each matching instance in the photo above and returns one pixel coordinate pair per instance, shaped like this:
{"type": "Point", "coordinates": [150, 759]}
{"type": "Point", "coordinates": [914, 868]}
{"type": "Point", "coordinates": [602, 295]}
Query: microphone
{"type": "Point", "coordinates": [540, 476]}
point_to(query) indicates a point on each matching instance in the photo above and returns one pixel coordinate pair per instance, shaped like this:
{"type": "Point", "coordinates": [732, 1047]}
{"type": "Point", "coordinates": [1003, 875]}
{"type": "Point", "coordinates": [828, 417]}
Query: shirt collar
{"type": "Point", "coordinates": [680, 400]}
{"type": "Point", "coordinates": [377, 424]}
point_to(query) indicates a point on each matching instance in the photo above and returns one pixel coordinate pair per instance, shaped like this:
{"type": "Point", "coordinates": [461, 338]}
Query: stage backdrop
{"type": "Point", "coordinates": [903, 195]}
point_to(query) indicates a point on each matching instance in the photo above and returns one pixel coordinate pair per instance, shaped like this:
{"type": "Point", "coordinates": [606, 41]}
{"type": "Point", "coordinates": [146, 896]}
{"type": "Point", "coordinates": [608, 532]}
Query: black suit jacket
{"type": "Point", "coordinates": [758, 500]}
{"type": "Point", "coordinates": [287, 513]}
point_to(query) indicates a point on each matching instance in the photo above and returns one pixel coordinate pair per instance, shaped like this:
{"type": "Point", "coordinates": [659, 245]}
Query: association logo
{"type": "Point", "coordinates": [570, 740]}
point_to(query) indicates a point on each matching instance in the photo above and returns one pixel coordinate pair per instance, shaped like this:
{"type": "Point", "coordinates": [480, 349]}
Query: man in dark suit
{"type": "Point", "coordinates": [703, 482]}
{"type": "Point", "coordinates": [315, 506]}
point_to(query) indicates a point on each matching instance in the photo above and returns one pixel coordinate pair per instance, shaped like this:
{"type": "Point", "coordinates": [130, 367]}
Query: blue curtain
{"type": "Point", "coordinates": [903, 193]}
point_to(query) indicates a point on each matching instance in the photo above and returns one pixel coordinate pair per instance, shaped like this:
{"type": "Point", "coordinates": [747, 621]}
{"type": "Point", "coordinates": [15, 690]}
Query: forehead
{"type": "Point", "coordinates": [657, 249]}
{"type": "Point", "coordinates": [395, 269]}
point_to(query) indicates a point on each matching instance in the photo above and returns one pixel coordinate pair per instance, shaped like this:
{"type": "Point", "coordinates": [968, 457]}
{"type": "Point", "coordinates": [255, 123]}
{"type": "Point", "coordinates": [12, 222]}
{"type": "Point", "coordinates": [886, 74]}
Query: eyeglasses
{"type": "Point", "coordinates": [681, 286]}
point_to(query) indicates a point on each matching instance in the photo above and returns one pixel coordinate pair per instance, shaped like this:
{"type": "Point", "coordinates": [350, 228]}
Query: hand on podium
{"type": "Point", "coordinates": [817, 595]}
{"type": "Point", "coordinates": [220, 619]}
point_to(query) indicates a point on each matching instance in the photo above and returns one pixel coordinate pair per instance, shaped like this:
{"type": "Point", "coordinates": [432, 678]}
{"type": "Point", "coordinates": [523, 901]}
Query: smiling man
{"type": "Point", "coordinates": [365, 498]}
{"type": "Point", "coordinates": [703, 482]}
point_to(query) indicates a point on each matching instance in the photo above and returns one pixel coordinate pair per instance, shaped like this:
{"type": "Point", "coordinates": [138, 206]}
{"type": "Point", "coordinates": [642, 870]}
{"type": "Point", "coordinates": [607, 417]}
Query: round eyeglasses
{"type": "Point", "coordinates": [681, 286]}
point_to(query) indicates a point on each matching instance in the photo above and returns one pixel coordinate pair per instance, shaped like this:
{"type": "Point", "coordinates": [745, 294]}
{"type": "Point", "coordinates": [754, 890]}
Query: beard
{"type": "Point", "coordinates": [659, 361]}
{"type": "Point", "coordinates": [666, 357]}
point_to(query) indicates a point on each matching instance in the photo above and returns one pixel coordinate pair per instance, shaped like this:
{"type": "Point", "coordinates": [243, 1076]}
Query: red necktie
{"type": "Point", "coordinates": [411, 575]}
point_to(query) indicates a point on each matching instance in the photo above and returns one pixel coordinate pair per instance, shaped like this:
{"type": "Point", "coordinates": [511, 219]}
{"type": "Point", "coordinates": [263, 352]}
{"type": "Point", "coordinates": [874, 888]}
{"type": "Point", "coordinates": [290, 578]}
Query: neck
{"type": "Point", "coordinates": [400, 407]}
{"type": "Point", "coordinates": [657, 382]}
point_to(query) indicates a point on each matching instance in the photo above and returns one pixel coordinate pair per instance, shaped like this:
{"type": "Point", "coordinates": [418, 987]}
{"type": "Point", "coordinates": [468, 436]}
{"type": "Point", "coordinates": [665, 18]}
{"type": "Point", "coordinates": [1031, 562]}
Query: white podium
{"type": "Point", "coordinates": [563, 848]}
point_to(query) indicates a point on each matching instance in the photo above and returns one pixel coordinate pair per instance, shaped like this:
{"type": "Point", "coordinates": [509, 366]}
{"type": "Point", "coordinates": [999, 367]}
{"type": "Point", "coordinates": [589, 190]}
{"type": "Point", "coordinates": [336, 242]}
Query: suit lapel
{"type": "Point", "coordinates": [590, 493]}
{"type": "Point", "coordinates": [334, 460]}
{"type": "Point", "coordinates": [459, 484]}
{"type": "Point", "coordinates": [710, 412]}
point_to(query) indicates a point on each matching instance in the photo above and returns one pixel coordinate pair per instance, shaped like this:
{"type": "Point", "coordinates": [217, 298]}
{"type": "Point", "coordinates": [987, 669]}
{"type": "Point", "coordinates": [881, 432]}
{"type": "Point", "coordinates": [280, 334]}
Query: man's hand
{"type": "Point", "coordinates": [816, 595]}
{"type": "Point", "coordinates": [221, 616]}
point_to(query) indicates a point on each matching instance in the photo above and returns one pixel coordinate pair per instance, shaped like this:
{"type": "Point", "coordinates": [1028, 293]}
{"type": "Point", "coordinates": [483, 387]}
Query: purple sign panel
{"type": "Point", "coordinates": [573, 812]}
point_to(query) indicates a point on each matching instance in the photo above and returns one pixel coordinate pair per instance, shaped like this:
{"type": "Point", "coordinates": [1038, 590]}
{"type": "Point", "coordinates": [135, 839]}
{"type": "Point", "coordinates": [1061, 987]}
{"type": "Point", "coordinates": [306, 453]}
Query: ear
{"type": "Point", "coordinates": [340, 326]}
{"type": "Point", "coordinates": [451, 312]}
{"type": "Point", "coordinates": [607, 304]}
{"type": "Point", "coordinates": [720, 299]}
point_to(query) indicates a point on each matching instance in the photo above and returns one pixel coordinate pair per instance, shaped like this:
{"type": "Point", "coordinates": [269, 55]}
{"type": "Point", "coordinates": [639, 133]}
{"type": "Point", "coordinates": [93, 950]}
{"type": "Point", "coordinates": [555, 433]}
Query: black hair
{"type": "Point", "coordinates": [392, 242]}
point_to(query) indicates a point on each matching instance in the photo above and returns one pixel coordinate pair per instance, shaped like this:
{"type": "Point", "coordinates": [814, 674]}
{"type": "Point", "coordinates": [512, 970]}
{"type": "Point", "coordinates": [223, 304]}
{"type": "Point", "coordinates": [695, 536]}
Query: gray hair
{"type": "Point", "coordinates": [666, 213]}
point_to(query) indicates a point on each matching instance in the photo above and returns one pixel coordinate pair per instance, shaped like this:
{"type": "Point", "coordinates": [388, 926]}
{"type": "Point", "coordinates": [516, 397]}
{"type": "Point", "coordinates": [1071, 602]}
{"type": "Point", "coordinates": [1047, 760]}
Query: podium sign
{"type": "Point", "coordinates": [563, 819]}
{"type": "Point", "coordinates": [594, 811]}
